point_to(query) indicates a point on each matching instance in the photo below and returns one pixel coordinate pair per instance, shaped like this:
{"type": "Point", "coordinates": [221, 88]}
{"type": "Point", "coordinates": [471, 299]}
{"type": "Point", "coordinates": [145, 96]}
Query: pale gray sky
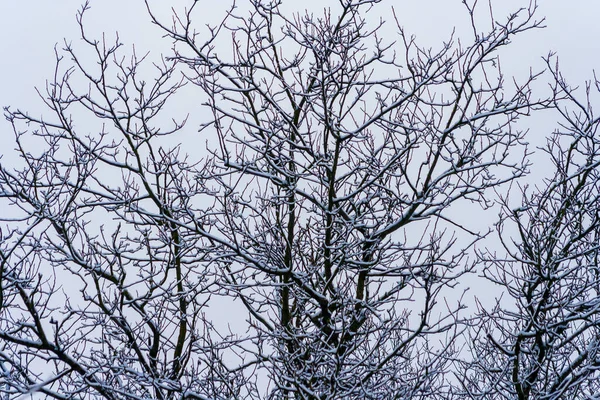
{"type": "Point", "coordinates": [30, 29]}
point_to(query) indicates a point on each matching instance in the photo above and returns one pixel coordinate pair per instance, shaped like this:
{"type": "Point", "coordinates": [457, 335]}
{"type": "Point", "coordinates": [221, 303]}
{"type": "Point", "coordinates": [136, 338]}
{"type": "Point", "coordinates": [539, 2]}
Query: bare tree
{"type": "Point", "coordinates": [322, 207]}
{"type": "Point", "coordinates": [542, 341]}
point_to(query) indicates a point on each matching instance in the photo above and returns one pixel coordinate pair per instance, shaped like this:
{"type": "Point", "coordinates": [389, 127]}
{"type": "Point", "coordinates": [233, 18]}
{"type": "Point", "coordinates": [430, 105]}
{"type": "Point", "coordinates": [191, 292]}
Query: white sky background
{"type": "Point", "coordinates": [30, 29]}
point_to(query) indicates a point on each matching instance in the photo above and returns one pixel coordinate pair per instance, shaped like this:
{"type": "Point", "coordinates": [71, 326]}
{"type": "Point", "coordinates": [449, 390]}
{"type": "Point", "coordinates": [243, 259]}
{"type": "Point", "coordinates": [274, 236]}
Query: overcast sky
{"type": "Point", "coordinates": [31, 28]}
